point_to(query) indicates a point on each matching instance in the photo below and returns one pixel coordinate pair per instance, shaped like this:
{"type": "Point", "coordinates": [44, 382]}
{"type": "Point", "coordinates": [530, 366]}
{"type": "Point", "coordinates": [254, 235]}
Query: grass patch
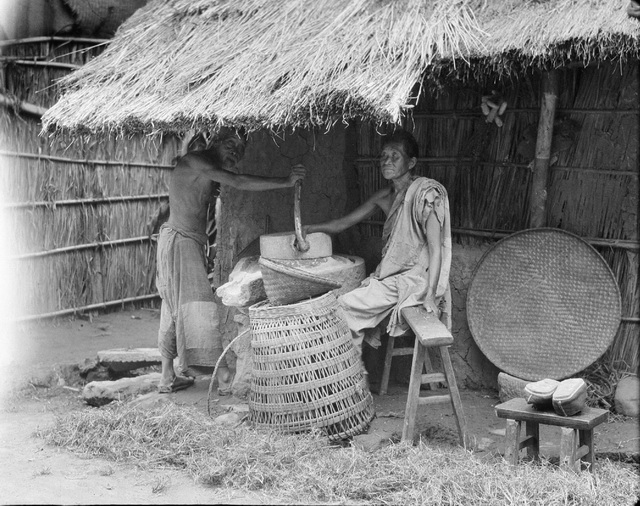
{"type": "Point", "coordinates": [305, 469]}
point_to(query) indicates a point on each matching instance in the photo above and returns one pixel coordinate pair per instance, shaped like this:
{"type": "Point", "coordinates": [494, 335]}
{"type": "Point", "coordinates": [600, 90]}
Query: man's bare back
{"type": "Point", "coordinates": [191, 192]}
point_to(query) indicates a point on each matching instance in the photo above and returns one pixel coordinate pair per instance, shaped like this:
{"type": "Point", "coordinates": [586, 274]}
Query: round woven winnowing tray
{"type": "Point", "coordinates": [543, 303]}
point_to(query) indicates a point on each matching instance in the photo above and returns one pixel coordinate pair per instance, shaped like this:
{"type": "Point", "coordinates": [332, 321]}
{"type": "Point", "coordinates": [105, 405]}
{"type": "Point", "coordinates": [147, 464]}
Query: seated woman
{"type": "Point", "coordinates": [416, 256]}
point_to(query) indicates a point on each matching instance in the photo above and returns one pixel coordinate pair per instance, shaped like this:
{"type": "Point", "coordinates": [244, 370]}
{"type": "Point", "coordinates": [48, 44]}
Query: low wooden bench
{"type": "Point", "coordinates": [576, 441]}
{"type": "Point", "coordinates": [430, 332]}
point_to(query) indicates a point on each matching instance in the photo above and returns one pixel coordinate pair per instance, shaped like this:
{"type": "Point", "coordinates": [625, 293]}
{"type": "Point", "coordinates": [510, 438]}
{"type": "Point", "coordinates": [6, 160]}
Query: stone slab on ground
{"type": "Point", "coordinates": [510, 387]}
{"type": "Point", "coordinates": [99, 393]}
{"type": "Point", "coordinates": [627, 396]}
{"type": "Point", "coordinates": [128, 359]}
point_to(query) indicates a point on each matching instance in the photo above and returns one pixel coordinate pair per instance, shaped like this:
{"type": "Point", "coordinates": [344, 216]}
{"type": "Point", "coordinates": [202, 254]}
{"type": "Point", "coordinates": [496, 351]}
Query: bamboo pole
{"type": "Point", "coordinates": [469, 163]}
{"type": "Point", "coordinates": [52, 64]}
{"type": "Point", "coordinates": [80, 247]}
{"type": "Point", "coordinates": [499, 234]}
{"type": "Point", "coordinates": [538, 197]}
{"type": "Point", "coordinates": [82, 202]}
{"type": "Point", "coordinates": [458, 113]}
{"type": "Point", "coordinates": [60, 159]}
{"type": "Point", "coordinates": [91, 307]}
{"type": "Point", "coordinates": [31, 40]}
{"type": "Point", "coordinates": [22, 106]}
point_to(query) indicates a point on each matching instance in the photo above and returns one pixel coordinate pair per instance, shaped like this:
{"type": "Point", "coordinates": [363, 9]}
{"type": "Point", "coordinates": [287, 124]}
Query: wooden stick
{"type": "Point", "coordinates": [36, 110]}
{"type": "Point", "coordinates": [91, 307]}
{"type": "Point", "coordinates": [538, 196]}
{"type": "Point", "coordinates": [81, 162]}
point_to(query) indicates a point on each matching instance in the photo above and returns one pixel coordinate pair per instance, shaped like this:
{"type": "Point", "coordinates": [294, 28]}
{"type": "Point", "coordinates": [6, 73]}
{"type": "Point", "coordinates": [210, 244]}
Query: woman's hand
{"type": "Point", "coordinates": [431, 306]}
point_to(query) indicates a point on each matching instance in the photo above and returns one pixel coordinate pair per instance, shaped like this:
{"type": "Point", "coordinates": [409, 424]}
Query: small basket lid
{"type": "Point", "coordinates": [543, 303]}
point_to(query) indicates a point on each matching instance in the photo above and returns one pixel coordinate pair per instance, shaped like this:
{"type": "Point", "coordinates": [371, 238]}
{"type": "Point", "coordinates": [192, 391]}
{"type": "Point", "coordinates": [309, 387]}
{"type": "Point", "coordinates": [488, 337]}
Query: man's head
{"type": "Point", "coordinates": [229, 144]}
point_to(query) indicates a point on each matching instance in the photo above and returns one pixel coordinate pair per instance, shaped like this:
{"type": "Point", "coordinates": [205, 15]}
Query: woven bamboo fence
{"type": "Point", "coordinates": [78, 208]}
{"type": "Point", "coordinates": [593, 183]}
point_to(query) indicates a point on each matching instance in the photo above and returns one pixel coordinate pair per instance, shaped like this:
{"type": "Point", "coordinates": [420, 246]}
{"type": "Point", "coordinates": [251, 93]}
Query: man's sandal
{"type": "Point", "coordinates": [179, 383]}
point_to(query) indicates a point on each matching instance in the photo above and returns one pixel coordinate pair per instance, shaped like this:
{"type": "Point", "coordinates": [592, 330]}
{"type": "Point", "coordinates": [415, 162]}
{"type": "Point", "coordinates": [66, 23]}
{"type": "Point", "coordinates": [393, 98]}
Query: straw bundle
{"type": "Point", "coordinates": [180, 64]}
{"type": "Point", "coordinates": [177, 65]}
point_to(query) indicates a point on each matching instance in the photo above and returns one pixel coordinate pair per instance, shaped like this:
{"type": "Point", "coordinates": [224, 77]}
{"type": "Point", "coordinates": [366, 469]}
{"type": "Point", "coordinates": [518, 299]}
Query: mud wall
{"type": "Point", "coordinates": [245, 216]}
{"type": "Point", "coordinates": [473, 369]}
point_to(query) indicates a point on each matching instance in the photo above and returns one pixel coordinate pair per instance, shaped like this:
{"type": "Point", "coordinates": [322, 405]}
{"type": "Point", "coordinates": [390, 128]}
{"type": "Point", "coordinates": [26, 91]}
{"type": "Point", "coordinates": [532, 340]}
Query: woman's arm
{"type": "Point", "coordinates": [434, 244]}
{"type": "Point", "coordinates": [348, 220]}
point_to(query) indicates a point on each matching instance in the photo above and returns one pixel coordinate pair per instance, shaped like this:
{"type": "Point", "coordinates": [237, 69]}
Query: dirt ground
{"type": "Point", "coordinates": [33, 393]}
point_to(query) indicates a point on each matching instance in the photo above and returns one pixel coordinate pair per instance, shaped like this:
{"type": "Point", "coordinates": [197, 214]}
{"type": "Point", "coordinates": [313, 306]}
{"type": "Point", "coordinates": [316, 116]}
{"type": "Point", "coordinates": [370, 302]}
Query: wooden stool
{"type": "Point", "coordinates": [430, 332]}
{"type": "Point", "coordinates": [576, 441]}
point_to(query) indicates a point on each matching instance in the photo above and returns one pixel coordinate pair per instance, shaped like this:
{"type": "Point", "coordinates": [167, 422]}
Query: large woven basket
{"type": "Point", "coordinates": [543, 303]}
{"type": "Point", "coordinates": [286, 285]}
{"type": "Point", "coordinates": [306, 372]}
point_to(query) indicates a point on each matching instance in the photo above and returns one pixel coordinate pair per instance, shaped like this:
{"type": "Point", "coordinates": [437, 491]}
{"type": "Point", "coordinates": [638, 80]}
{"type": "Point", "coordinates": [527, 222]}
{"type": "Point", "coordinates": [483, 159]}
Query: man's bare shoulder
{"type": "Point", "coordinates": [199, 160]}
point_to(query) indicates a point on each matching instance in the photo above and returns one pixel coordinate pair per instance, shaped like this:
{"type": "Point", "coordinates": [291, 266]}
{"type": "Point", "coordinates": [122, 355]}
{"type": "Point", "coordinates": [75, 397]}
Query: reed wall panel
{"type": "Point", "coordinates": [73, 279]}
{"type": "Point", "coordinates": [487, 170]}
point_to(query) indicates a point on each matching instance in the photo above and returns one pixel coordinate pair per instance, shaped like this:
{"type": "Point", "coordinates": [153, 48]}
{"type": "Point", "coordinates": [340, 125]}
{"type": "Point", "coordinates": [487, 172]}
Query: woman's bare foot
{"type": "Point", "coordinates": [225, 378]}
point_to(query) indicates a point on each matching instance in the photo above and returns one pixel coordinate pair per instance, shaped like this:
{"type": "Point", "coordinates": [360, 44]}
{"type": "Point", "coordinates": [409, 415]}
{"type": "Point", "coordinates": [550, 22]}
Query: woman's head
{"type": "Point", "coordinates": [399, 156]}
{"type": "Point", "coordinates": [407, 140]}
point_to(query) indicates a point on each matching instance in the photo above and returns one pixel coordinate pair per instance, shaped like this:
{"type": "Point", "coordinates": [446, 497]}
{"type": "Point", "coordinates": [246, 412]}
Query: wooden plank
{"type": "Point", "coordinates": [434, 377]}
{"type": "Point", "coordinates": [456, 403]}
{"type": "Point", "coordinates": [397, 352]}
{"type": "Point", "coordinates": [427, 327]}
{"type": "Point", "coordinates": [413, 395]}
{"type": "Point", "coordinates": [518, 409]}
{"type": "Point", "coordinates": [568, 449]}
{"type": "Point", "coordinates": [533, 433]}
{"type": "Point", "coordinates": [386, 371]}
{"type": "Point", "coordinates": [511, 439]}
{"type": "Point", "coordinates": [433, 399]}
{"type": "Point", "coordinates": [586, 440]}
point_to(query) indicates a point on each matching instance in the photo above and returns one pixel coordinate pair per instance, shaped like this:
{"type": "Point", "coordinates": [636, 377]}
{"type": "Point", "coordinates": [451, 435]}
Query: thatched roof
{"type": "Point", "coordinates": [185, 64]}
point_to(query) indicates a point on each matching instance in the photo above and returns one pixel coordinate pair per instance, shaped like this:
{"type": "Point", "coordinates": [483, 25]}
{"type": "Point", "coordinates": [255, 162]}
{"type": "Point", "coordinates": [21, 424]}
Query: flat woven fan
{"type": "Point", "coordinates": [543, 303]}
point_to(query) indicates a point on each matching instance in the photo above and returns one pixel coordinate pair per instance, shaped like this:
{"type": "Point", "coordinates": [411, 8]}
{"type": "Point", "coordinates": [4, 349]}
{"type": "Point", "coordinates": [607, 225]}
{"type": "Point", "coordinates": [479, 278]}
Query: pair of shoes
{"type": "Point", "coordinates": [567, 397]}
{"type": "Point", "coordinates": [178, 383]}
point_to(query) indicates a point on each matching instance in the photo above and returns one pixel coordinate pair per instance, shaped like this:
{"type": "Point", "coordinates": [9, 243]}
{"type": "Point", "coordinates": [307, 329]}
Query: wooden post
{"type": "Point", "coordinates": [538, 198]}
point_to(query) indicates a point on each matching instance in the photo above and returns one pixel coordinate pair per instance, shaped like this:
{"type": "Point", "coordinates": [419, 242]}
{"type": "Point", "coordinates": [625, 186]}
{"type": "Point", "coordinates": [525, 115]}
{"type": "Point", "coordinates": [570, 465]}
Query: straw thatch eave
{"type": "Point", "coordinates": [178, 65]}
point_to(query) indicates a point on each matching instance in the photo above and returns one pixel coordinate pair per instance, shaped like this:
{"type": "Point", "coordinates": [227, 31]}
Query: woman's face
{"type": "Point", "coordinates": [394, 162]}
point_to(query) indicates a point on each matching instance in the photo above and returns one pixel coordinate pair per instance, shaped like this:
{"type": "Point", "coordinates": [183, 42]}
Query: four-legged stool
{"type": "Point", "coordinates": [430, 333]}
{"type": "Point", "coordinates": [576, 443]}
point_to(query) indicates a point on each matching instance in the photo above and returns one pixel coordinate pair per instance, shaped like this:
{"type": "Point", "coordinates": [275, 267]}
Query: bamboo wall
{"type": "Point", "coordinates": [593, 185]}
{"type": "Point", "coordinates": [78, 208]}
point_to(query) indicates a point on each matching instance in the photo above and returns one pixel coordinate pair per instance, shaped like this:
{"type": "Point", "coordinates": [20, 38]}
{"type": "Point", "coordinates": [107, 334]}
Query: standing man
{"type": "Point", "coordinates": [188, 315]}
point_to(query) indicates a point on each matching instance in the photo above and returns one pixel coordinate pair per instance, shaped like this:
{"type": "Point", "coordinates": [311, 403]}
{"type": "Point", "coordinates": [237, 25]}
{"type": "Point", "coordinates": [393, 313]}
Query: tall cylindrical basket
{"type": "Point", "coordinates": [306, 372]}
